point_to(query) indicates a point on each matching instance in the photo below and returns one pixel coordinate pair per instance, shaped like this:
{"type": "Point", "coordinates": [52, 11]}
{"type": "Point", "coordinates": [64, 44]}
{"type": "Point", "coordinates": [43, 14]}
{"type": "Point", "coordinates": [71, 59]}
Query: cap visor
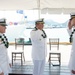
{"type": "Point", "coordinates": [3, 24]}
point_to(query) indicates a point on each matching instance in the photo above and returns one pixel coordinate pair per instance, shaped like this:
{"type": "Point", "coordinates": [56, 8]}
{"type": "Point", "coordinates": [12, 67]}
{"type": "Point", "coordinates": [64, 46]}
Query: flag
{"type": "Point", "coordinates": [25, 16]}
{"type": "Point", "coordinates": [10, 23]}
{"type": "Point", "coordinates": [20, 11]}
{"type": "Point", "coordinates": [15, 23]}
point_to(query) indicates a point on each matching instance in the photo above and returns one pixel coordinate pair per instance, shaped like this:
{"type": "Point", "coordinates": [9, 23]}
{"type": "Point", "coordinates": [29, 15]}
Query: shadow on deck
{"type": "Point", "coordinates": [27, 69]}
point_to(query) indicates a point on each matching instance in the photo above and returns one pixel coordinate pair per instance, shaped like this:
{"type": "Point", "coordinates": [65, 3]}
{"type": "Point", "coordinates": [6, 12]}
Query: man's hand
{"type": "Point", "coordinates": [73, 71]}
{"type": "Point", "coordinates": [2, 73]}
{"type": "Point", "coordinates": [73, 22]}
{"type": "Point", "coordinates": [69, 24]}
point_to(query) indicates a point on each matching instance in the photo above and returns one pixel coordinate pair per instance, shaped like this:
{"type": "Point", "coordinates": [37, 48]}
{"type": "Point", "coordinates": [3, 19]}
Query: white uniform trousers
{"type": "Point", "coordinates": [38, 67]}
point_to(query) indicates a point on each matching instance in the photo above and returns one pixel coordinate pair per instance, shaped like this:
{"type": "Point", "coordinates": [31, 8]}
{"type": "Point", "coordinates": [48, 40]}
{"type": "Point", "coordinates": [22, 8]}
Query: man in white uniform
{"type": "Point", "coordinates": [71, 31]}
{"type": "Point", "coordinates": [39, 45]}
{"type": "Point", "coordinates": [4, 60]}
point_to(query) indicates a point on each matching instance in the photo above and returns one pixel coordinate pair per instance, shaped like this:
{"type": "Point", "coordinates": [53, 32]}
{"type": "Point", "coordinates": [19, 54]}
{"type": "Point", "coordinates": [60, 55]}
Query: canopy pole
{"type": "Point", "coordinates": [39, 9]}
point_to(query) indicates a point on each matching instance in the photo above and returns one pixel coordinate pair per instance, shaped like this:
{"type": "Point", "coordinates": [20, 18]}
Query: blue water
{"type": "Point", "coordinates": [13, 32]}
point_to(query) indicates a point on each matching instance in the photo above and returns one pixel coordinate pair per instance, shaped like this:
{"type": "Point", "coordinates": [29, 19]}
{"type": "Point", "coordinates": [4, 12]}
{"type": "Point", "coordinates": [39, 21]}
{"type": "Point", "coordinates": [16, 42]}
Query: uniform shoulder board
{"type": "Point", "coordinates": [34, 29]}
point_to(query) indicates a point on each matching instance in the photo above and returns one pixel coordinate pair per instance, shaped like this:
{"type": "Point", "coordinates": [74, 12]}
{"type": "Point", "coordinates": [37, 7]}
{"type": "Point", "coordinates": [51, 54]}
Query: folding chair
{"type": "Point", "coordinates": [54, 42]}
{"type": "Point", "coordinates": [54, 55]}
{"type": "Point", "coordinates": [18, 55]}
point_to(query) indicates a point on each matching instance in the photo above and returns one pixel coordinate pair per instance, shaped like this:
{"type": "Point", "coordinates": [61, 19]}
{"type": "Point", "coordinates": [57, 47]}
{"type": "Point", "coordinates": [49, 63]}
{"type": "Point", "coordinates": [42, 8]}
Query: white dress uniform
{"type": "Point", "coordinates": [4, 60]}
{"type": "Point", "coordinates": [72, 57]}
{"type": "Point", "coordinates": [39, 51]}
